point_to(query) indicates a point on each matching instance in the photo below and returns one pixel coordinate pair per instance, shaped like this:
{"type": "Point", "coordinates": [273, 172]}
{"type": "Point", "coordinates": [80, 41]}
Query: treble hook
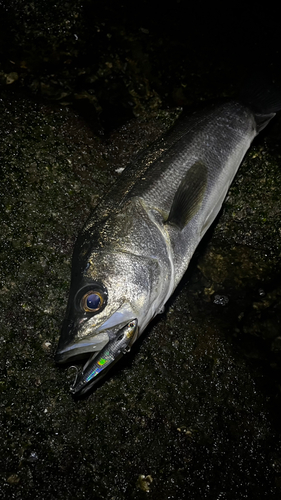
{"type": "Point", "coordinates": [75, 380]}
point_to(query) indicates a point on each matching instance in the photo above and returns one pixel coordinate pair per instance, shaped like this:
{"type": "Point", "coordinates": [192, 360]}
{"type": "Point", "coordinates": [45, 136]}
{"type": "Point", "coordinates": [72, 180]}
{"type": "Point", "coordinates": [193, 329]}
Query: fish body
{"type": "Point", "coordinates": [137, 244]}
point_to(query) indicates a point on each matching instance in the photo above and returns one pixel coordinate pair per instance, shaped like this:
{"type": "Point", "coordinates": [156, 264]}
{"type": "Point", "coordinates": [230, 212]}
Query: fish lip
{"type": "Point", "coordinates": [85, 347]}
{"type": "Point", "coordinates": [112, 352]}
{"type": "Point", "coordinates": [79, 349]}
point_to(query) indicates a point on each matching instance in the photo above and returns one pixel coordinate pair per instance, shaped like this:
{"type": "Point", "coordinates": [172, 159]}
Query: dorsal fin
{"type": "Point", "coordinates": [189, 196]}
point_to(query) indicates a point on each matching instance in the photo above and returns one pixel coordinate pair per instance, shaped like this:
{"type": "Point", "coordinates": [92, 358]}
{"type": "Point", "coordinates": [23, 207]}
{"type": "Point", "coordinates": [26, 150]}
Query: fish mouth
{"type": "Point", "coordinates": [91, 344]}
{"type": "Point", "coordinates": [82, 349]}
{"type": "Point", "coordinates": [100, 362]}
{"type": "Point", "coordinates": [72, 348]}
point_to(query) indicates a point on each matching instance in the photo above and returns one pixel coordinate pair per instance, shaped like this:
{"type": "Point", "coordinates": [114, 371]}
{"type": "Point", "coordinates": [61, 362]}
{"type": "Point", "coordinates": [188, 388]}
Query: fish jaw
{"type": "Point", "coordinates": [87, 338]}
{"type": "Point", "coordinates": [81, 348]}
{"type": "Point", "coordinates": [100, 363]}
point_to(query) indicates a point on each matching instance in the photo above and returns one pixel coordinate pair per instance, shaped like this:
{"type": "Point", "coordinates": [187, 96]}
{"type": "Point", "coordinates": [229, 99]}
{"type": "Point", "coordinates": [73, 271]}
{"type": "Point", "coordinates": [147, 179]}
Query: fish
{"type": "Point", "coordinates": [137, 244]}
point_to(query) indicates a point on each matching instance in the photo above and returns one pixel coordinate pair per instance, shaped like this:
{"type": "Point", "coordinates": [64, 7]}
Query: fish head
{"type": "Point", "coordinates": [111, 289]}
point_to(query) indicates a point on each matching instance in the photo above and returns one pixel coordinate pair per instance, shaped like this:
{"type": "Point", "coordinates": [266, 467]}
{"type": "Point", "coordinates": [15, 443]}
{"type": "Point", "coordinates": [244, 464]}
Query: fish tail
{"type": "Point", "coordinates": [263, 98]}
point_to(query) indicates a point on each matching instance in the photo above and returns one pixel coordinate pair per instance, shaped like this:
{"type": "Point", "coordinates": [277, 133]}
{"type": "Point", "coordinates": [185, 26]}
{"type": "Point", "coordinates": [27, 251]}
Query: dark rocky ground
{"type": "Point", "coordinates": [194, 410]}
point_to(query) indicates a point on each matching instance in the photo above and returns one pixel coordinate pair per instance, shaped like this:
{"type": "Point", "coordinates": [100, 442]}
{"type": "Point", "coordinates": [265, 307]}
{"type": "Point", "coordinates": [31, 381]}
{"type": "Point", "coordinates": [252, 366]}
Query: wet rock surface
{"type": "Point", "coordinates": [194, 410]}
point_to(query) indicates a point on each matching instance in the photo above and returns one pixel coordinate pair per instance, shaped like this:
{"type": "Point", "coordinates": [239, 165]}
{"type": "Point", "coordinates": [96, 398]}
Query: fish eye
{"type": "Point", "coordinates": [91, 298]}
{"type": "Point", "coordinates": [92, 301]}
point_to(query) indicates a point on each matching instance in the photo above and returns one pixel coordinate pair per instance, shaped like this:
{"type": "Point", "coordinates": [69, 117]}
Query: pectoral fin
{"type": "Point", "coordinates": [189, 196]}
